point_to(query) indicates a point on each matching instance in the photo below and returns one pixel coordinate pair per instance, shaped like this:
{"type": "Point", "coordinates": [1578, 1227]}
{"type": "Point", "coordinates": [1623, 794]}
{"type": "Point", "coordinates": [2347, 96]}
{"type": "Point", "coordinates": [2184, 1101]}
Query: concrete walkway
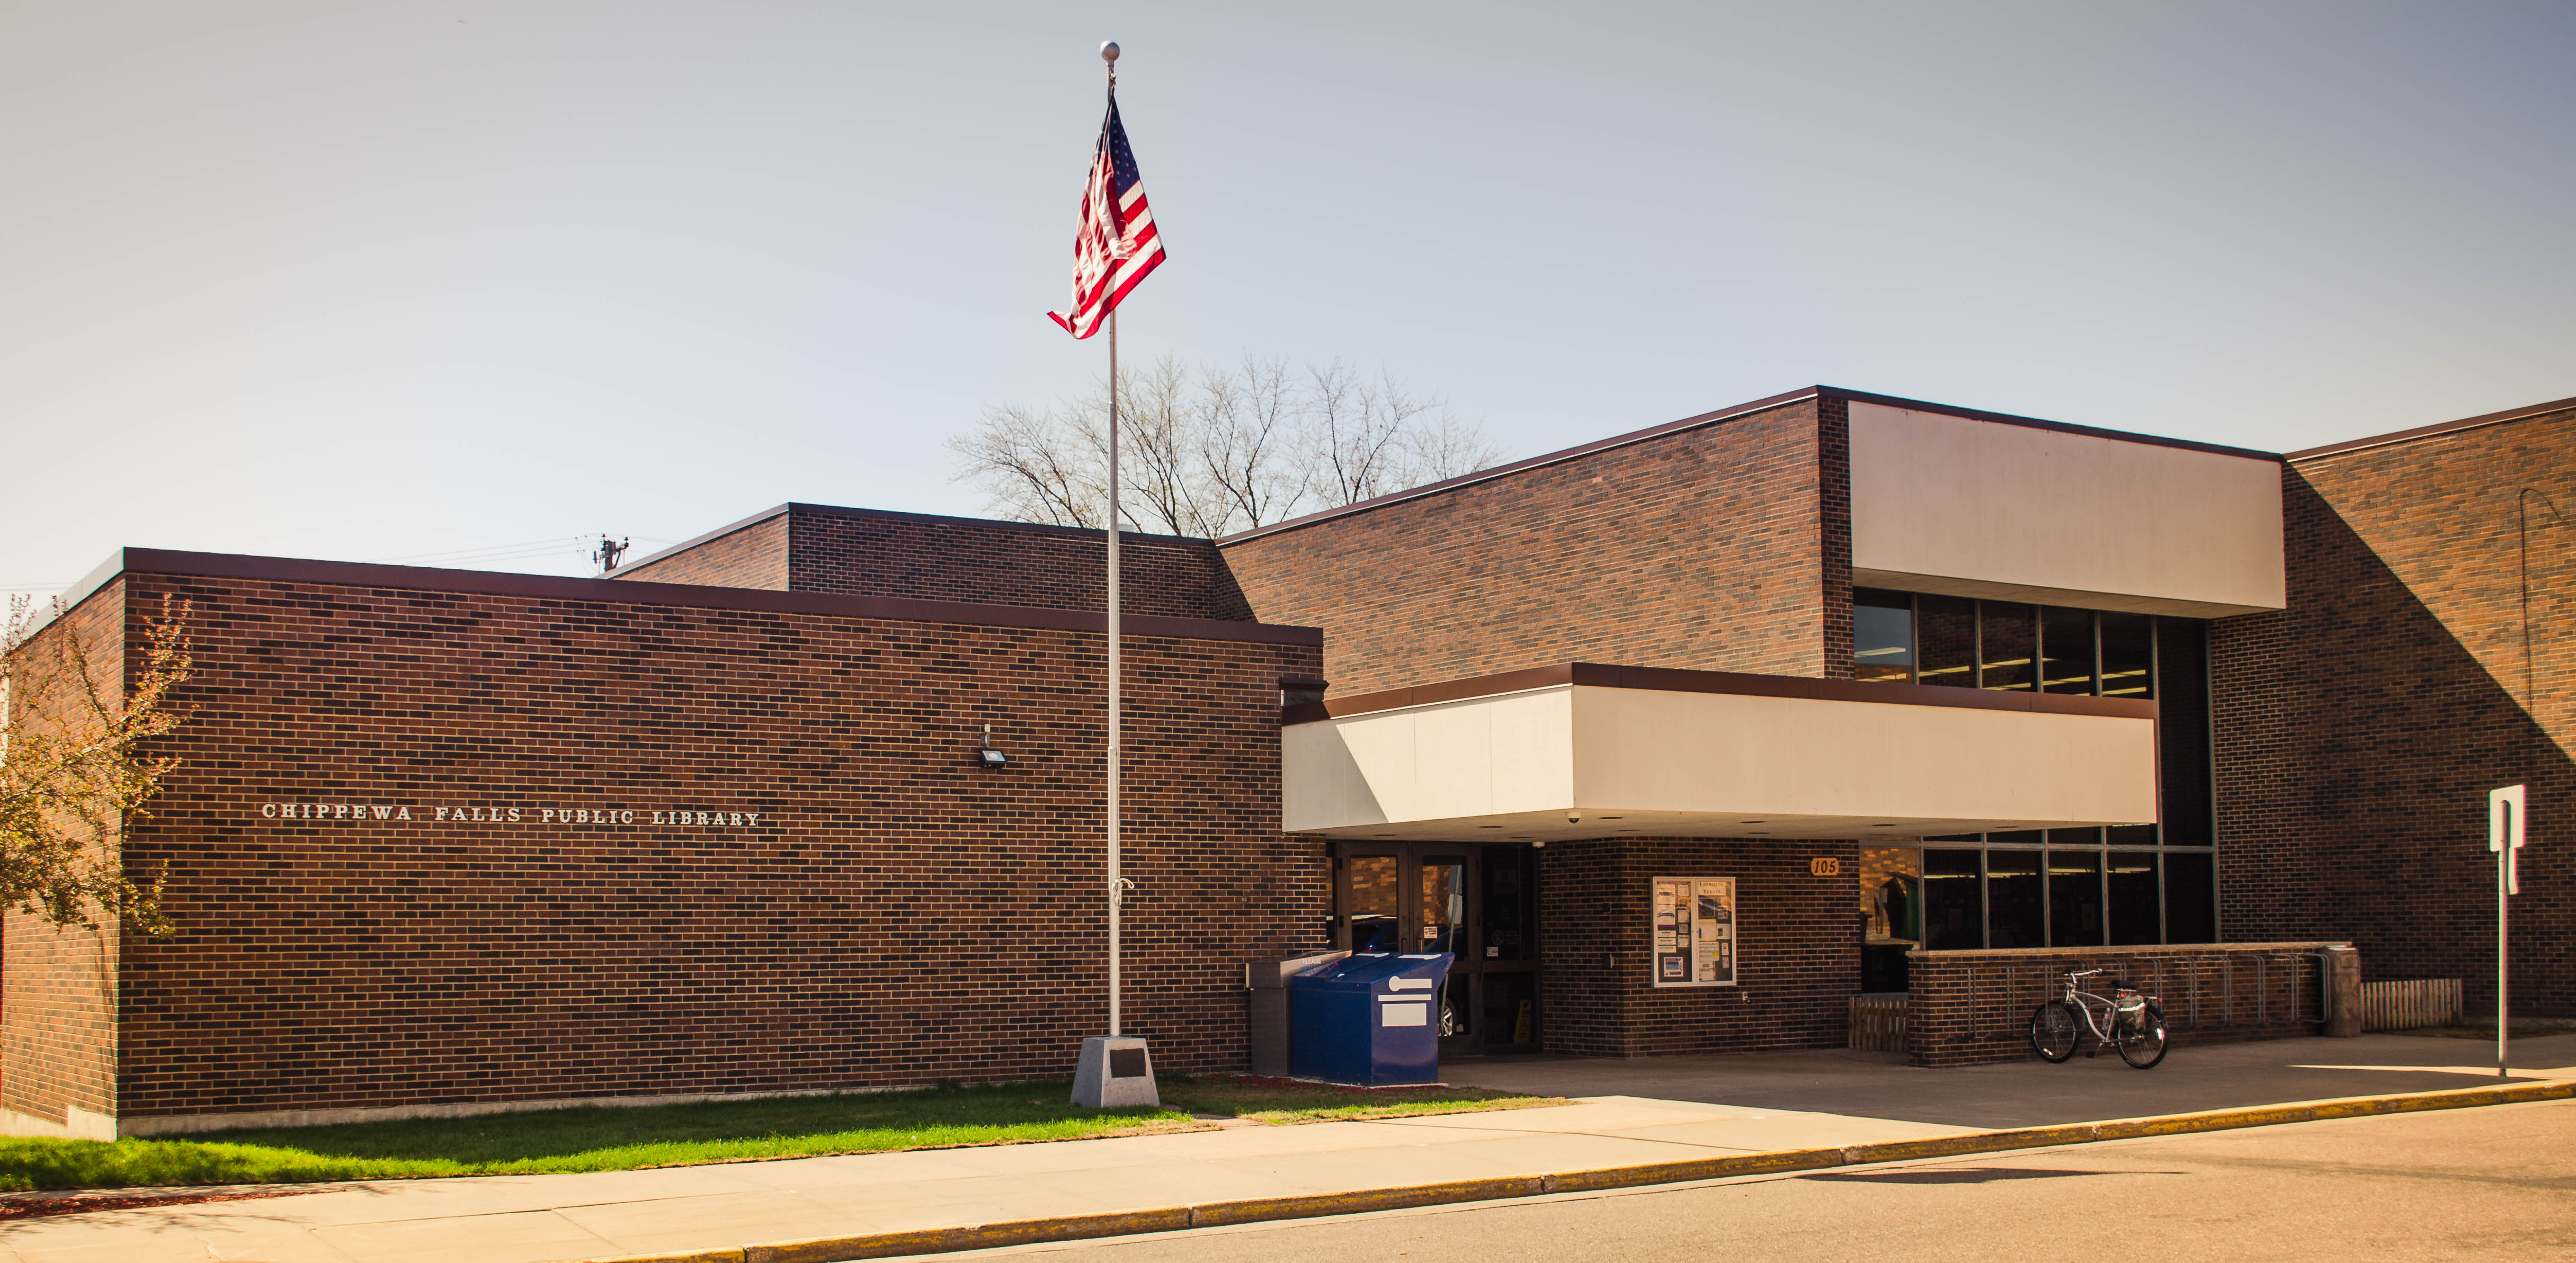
{"type": "Point", "coordinates": [1631, 1113]}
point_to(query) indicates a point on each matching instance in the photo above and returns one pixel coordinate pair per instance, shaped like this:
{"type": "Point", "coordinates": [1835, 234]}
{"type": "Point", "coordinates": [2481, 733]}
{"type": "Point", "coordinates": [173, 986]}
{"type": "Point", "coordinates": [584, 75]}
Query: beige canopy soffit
{"type": "Point", "coordinates": [1578, 750]}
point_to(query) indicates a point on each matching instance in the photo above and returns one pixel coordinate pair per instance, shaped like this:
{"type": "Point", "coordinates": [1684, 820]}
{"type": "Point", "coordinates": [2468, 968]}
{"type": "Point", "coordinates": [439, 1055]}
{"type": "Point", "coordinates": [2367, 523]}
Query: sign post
{"type": "Point", "coordinates": [2504, 837]}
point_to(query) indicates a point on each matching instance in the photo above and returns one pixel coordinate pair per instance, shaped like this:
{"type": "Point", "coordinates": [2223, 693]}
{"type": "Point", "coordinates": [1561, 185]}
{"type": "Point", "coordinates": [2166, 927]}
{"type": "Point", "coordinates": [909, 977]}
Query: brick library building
{"type": "Point", "coordinates": [1686, 740]}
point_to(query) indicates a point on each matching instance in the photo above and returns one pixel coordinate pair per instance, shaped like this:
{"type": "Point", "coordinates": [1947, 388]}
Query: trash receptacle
{"type": "Point", "coordinates": [1372, 1019]}
{"type": "Point", "coordinates": [1266, 993]}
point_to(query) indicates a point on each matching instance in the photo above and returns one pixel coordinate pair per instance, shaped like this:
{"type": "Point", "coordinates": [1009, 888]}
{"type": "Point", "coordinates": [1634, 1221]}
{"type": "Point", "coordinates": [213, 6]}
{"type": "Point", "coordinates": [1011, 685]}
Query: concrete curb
{"type": "Point", "coordinates": [1315, 1205]}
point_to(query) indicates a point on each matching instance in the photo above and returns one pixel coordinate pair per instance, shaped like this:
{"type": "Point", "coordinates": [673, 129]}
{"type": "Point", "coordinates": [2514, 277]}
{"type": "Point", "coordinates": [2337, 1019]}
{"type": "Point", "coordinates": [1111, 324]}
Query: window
{"type": "Point", "coordinates": [2128, 652]}
{"type": "Point", "coordinates": [2191, 898]}
{"type": "Point", "coordinates": [2066, 650]}
{"type": "Point", "coordinates": [1945, 648]}
{"type": "Point", "coordinates": [2075, 898]}
{"type": "Point", "coordinates": [2007, 646]}
{"type": "Point", "coordinates": [1954, 908]}
{"type": "Point", "coordinates": [2135, 918]}
{"type": "Point", "coordinates": [2116, 885]}
{"type": "Point", "coordinates": [2016, 906]}
{"type": "Point", "coordinates": [1882, 636]}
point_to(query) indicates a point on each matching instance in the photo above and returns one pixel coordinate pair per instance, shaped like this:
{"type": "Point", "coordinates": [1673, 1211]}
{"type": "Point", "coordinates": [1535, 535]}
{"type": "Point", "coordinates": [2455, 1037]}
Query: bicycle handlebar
{"type": "Point", "coordinates": [2082, 973]}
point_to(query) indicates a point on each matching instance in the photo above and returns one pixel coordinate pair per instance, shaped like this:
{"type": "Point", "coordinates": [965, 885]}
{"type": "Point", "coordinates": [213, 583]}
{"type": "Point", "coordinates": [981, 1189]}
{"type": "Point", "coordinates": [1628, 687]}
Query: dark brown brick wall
{"type": "Point", "coordinates": [58, 1046]}
{"type": "Point", "coordinates": [753, 557]}
{"type": "Point", "coordinates": [1007, 563]}
{"type": "Point", "coordinates": [1702, 549]}
{"type": "Point", "coordinates": [1797, 938]}
{"type": "Point", "coordinates": [895, 915]}
{"type": "Point", "coordinates": [2360, 729]}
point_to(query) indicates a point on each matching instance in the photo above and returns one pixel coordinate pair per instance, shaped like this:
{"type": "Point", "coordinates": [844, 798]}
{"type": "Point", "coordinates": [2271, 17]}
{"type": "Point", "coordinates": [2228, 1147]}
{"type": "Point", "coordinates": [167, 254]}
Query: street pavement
{"type": "Point", "coordinates": [1630, 1113]}
{"type": "Point", "coordinates": [2496, 1183]}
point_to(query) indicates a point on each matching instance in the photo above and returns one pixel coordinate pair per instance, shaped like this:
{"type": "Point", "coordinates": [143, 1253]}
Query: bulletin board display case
{"type": "Point", "coordinates": [1694, 932]}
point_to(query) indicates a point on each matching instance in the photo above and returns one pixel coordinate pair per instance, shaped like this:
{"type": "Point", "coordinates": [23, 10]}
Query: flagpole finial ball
{"type": "Point", "coordinates": [1109, 50]}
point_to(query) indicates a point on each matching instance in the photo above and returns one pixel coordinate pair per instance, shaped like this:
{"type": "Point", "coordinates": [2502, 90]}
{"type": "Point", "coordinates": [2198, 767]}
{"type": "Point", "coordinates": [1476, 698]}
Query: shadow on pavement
{"type": "Point", "coordinates": [2032, 1093]}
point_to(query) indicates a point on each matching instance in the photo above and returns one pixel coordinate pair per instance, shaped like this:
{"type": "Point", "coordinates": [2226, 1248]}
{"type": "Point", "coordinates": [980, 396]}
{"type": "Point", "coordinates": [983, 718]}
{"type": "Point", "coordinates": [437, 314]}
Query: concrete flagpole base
{"type": "Point", "coordinates": [1115, 1070]}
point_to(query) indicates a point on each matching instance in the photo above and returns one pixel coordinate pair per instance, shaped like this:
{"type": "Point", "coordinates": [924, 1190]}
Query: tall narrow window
{"type": "Point", "coordinates": [2191, 899]}
{"type": "Point", "coordinates": [2128, 650]}
{"type": "Point", "coordinates": [2066, 650]}
{"type": "Point", "coordinates": [2007, 646]}
{"type": "Point", "coordinates": [2182, 729]}
{"type": "Point", "coordinates": [1882, 636]}
{"type": "Point", "coordinates": [1945, 635]}
{"type": "Point", "coordinates": [2075, 898]}
{"type": "Point", "coordinates": [2016, 904]}
{"type": "Point", "coordinates": [1954, 908]}
{"type": "Point", "coordinates": [2134, 916]}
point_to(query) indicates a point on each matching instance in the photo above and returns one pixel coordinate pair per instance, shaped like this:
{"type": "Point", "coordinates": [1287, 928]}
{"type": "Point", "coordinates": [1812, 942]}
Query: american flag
{"type": "Point", "coordinates": [1117, 244]}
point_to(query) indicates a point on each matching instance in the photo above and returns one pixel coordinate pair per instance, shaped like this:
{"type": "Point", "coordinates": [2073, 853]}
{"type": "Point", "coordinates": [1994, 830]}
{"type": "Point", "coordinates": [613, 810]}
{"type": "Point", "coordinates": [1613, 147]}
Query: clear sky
{"type": "Point", "coordinates": [374, 281]}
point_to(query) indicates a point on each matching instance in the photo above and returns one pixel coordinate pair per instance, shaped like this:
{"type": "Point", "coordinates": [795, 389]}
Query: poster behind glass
{"type": "Point", "coordinates": [1694, 931]}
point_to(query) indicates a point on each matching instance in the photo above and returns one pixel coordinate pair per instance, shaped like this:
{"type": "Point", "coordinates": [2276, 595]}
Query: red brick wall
{"type": "Point", "coordinates": [1702, 548]}
{"type": "Point", "coordinates": [2360, 730]}
{"type": "Point", "coordinates": [1797, 936]}
{"type": "Point", "coordinates": [1007, 563]}
{"type": "Point", "coordinates": [753, 557]}
{"type": "Point", "coordinates": [895, 915]}
{"type": "Point", "coordinates": [57, 991]}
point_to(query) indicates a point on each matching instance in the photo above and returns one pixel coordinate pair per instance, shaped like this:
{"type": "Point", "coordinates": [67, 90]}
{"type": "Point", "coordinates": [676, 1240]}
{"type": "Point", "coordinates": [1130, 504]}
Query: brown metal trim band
{"type": "Point", "coordinates": [1673, 680]}
{"type": "Point", "coordinates": [349, 574]}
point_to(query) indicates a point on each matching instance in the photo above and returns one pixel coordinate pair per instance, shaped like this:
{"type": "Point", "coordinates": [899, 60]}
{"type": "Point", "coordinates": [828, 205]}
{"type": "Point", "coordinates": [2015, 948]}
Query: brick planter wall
{"type": "Point", "coordinates": [1973, 1008]}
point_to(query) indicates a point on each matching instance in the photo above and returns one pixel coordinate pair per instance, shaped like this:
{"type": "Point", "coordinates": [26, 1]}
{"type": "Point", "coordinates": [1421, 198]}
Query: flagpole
{"type": "Point", "coordinates": [1109, 56]}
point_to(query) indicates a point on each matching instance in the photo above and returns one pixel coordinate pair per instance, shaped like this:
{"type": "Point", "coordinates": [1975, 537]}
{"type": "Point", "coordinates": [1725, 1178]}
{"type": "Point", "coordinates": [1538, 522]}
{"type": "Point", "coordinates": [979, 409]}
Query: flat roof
{"type": "Point", "coordinates": [2430, 431]}
{"type": "Point", "coordinates": [1727, 414]}
{"type": "Point", "coordinates": [1140, 538]}
{"type": "Point", "coordinates": [352, 574]}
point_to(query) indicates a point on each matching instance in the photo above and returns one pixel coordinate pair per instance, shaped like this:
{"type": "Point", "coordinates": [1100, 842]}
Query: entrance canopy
{"type": "Point", "coordinates": [1585, 750]}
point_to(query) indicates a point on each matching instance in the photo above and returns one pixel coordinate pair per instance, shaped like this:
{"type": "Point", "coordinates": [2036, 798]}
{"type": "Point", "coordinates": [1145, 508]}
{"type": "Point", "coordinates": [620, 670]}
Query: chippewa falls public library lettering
{"type": "Point", "coordinates": [1903, 704]}
{"type": "Point", "coordinates": [559, 816]}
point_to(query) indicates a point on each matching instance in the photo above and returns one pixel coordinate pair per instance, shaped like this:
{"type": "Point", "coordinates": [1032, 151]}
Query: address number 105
{"type": "Point", "coordinates": [1825, 866]}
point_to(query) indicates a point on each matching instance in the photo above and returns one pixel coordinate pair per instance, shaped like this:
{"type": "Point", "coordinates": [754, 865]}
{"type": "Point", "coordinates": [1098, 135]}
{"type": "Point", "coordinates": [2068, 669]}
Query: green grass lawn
{"type": "Point", "coordinates": [545, 1141]}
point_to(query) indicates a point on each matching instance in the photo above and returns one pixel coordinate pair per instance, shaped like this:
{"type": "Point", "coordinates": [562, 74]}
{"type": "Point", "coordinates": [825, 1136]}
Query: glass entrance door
{"type": "Point", "coordinates": [1476, 902]}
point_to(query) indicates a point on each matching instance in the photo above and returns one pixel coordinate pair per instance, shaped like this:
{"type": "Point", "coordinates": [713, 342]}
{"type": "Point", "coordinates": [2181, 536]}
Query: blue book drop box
{"type": "Point", "coordinates": [1371, 1018]}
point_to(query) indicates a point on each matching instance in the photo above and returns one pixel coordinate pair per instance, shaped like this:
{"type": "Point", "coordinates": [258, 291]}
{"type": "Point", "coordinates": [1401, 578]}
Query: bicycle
{"type": "Point", "coordinates": [2132, 1022]}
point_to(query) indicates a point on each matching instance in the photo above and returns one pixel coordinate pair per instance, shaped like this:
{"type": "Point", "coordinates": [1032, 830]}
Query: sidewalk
{"type": "Point", "coordinates": [1698, 1107]}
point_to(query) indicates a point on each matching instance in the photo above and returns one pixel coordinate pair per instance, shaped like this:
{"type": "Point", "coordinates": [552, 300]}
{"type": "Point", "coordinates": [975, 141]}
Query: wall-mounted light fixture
{"type": "Point", "coordinates": [988, 756]}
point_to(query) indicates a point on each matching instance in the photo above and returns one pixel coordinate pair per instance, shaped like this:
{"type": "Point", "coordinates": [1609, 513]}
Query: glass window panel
{"type": "Point", "coordinates": [1882, 636]}
{"type": "Point", "coordinates": [2075, 837]}
{"type": "Point", "coordinates": [1945, 640]}
{"type": "Point", "coordinates": [2016, 904]}
{"type": "Point", "coordinates": [2182, 729]}
{"type": "Point", "coordinates": [1511, 1008]}
{"type": "Point", "coordinates": [2131, 835]}
{"type": "Point", "coordinates": [2134, 915]}
{"type": "Point", "coordinates": [2075, 898]}
{"type": "Point", "coordinates": [2066, 650]}
{"type": "Point", "coordinates": [1954, 912]}
{"type": "Point", "coordinates": [1510, 930]}
{"type": "Point", "coordinates": [2018, 837]}
{"type": "Point", "coordinates": [1371, 903]}
{"type": "Point", "coordinates": [1444, 905]}
{"type": "Point", "coordinates": [2128, 651]}
{"type": "Point", "coordinates": [2191, 898]}
{"type": "Point", "coordinates": [2007, 645]}
{"type": "Point", "coordinates": [1891, 891]}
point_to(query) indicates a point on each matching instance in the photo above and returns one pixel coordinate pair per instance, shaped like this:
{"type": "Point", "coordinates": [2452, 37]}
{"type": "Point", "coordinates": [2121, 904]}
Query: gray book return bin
{"type": "Point", "coordinates": [1266, 985]}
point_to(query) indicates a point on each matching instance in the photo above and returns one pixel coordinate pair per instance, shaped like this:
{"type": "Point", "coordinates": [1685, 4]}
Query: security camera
{"type": "Point", "coordinates": [1574, 817]}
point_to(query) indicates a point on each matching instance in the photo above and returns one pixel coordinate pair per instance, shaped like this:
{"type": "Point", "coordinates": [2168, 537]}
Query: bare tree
{"type": "Point", "coordinates": [1218, 450]}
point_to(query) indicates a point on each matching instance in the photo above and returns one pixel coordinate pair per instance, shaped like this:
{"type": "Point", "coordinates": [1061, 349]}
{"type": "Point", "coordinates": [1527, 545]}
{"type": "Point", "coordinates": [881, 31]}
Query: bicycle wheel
{"type": "Point", "coordinates": [2144, 1044]}
{"type": "Point", "coordinates": [2052, 1031]}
